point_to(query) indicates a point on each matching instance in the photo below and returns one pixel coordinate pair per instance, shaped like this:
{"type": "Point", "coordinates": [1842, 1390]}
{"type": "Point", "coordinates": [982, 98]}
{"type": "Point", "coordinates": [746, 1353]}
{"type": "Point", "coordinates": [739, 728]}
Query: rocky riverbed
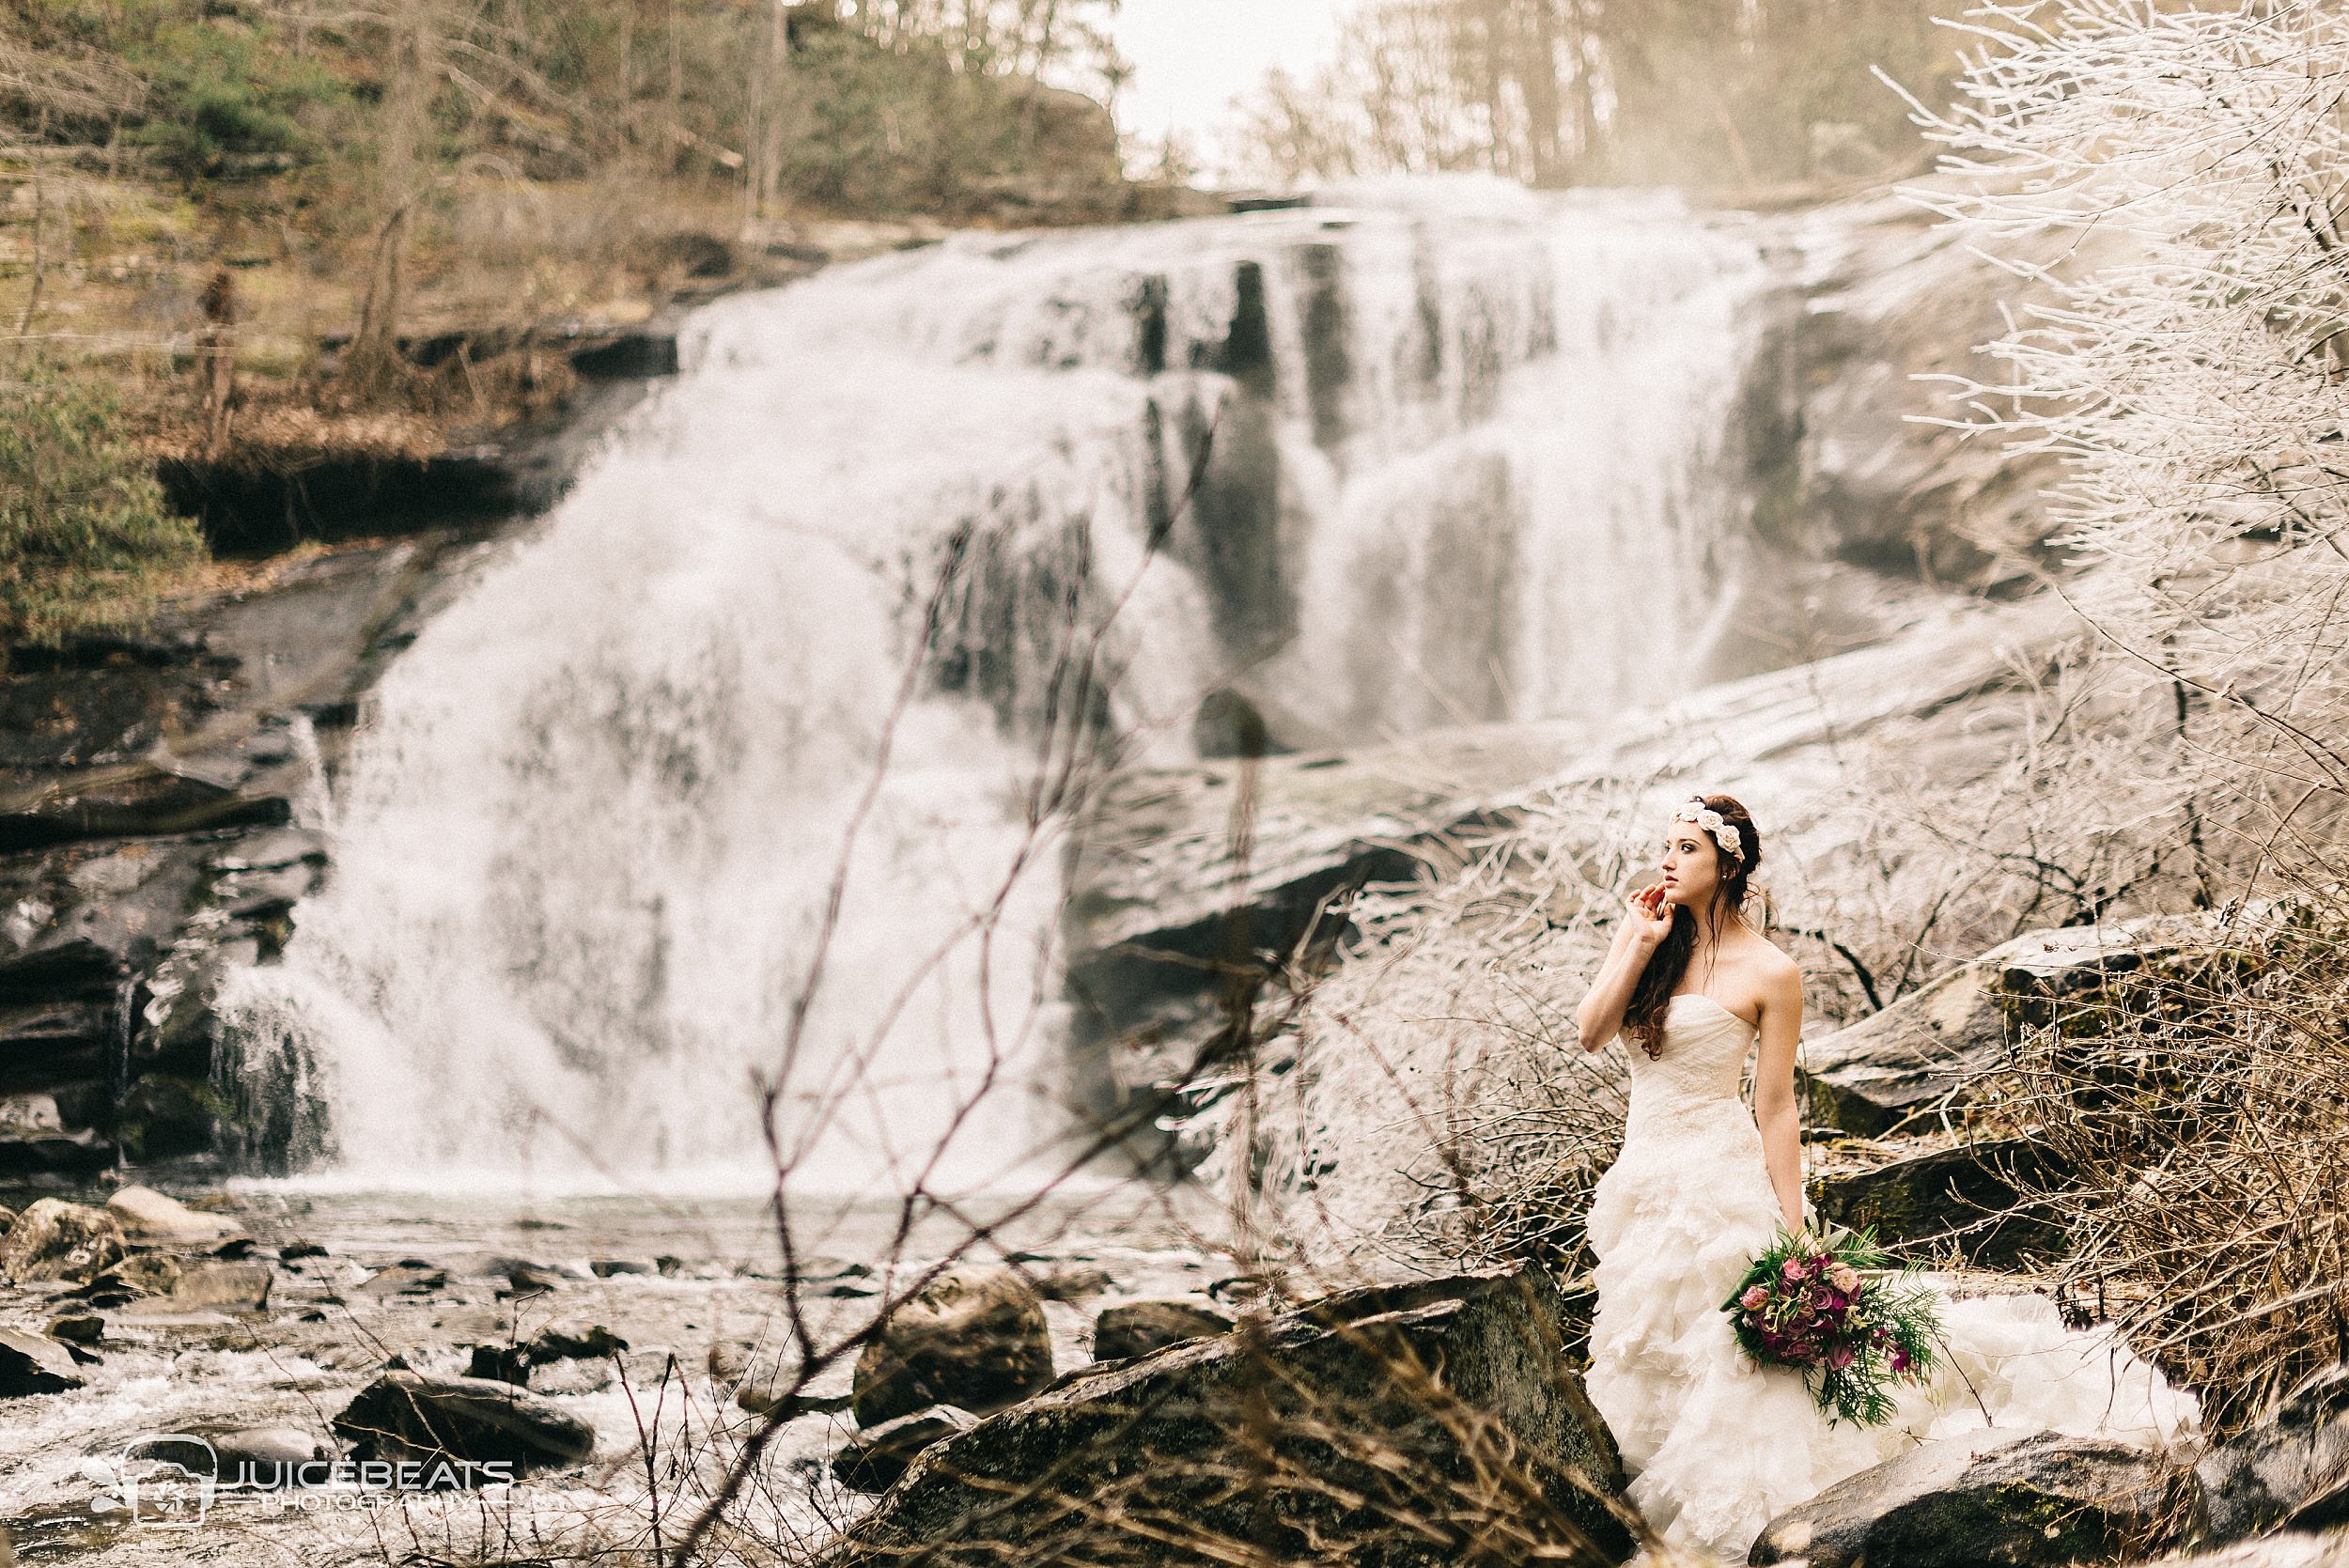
{"type": "Point", "coordinates": [657, 1312]}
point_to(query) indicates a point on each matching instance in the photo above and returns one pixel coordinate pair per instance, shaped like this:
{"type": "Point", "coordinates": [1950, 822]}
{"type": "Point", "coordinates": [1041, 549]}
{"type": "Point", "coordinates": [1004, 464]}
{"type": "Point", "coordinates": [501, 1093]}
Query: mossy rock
{"type": "Point", "coordinates": [1305, 1435]}
{"type": "Point", "coordinates": [1985, 1500]}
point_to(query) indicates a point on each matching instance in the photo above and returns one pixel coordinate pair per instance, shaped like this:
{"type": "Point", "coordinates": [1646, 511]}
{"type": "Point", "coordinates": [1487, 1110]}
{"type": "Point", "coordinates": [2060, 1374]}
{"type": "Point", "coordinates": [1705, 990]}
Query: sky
{"type": "Point", "coordinates": [1191, 57]}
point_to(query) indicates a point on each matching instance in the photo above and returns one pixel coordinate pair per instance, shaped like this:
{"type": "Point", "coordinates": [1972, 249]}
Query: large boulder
{"type": "Point", "coordinates": [973, 1338]}
{"type": "Point", "coordinates": [57, 1240]}
{"type": "Point", "coordinates": [149, 1217]}
{"type": "Point", "coordinates": [1139, 1328]}
{"type": "Point", "coordinates": [232, 1287]}
{"type": "Point", "coordinates": [573, 1340]}
{"type": "Point", "coordinates": [142, 1274]}
{"type": "Point", "coordinates": [875, 1458]}
{"type": "Point", "coordinates": [1964, 1195]}
{"type": "Point", "coordinates": [1908, 1059]}
{"type": "Point", "coordinates": [404, 1416]}
{"type": "Point", "coordinates": [1987, 1498]}
{"type": "Point", "coordinates": [1896, 1069]}
{"type": "Point", "coordinates": [1390, 1425]}
{"type": "Point", "coordinates": [2289, 1471]}
{"type": "Point", "coordinates": [35, 1364]}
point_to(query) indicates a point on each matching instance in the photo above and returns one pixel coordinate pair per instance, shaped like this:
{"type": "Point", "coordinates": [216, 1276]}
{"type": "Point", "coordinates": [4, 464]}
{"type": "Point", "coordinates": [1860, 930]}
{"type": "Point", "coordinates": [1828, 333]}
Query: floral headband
{"type": "Point", "coordinates": [1704, 816]}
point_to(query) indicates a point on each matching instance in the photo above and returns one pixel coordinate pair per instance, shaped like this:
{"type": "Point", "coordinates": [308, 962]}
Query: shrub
{"type": "Point", "coordinates": [85, 537]}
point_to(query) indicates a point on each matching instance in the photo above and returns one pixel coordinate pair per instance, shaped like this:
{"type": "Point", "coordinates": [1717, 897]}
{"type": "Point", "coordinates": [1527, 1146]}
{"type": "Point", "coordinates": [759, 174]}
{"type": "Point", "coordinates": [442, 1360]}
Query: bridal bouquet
{"type": "Point", "coordinates": [1839, 1311]}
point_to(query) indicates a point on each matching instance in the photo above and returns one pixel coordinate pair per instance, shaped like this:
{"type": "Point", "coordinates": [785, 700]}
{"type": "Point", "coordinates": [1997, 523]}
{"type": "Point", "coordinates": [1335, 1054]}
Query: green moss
{"type": "Point", "coordinates": [85, 536]}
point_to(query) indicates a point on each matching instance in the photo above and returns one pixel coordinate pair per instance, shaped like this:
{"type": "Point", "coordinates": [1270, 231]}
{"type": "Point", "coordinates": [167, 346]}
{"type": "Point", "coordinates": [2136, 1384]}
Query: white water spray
{"type": "Point", "coordinates": [1465, 451]}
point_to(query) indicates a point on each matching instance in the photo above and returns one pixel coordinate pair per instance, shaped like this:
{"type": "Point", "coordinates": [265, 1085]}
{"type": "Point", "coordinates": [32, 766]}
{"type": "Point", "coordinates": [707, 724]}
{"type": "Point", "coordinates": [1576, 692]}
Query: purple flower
{"type": "Point", "coordinates": [1839, 1357]}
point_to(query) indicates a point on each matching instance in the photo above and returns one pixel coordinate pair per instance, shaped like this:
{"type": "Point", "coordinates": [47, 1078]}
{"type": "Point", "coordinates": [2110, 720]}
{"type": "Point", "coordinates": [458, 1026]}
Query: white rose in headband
{"type": "Point", "coordinates": [1704, 816]}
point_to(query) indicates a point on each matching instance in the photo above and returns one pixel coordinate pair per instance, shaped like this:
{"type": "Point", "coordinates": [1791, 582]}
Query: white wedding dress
{"type": "Point", "coordinates": [1717, 1446]}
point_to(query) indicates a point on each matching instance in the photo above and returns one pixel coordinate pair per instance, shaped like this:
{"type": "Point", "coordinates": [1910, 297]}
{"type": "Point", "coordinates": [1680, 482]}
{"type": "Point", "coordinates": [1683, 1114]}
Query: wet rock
{"type": "Point", "coordinates": [973, 1338]}
{"type": "Point", "coordinates": [143, 1274]}
{"type": "Point", "coordinates": [2289, 1471]}
{"type": "Point", "coordinates": [33, 1364]}
{"type": "Point", "coordinates": [575, 1377]}
{"type": "Point", "coordinates": [78, 1328]}
{"type": "Point", "coordinates": [80, 1153]}
{"type": "Point", "coordinates": [50, 1130]}
{"type": "Point", "coordinates": [162, 1312]}
{"type": "Point", "coordinates": [408, 1277]}
{"type": "Point", "coordinates": [52, 1041]}
{"type": "Point", "coordinates": [133, 799]}
{"type": "Point", "coordinates": [298, 1249]}
{"type": "Point", "coordinates": [273, 851]}
{"type": "Point", "coordinates": [404, 1416]}
{"type": "Point", "coordinates": [874, 1459]}
{"type": "Point", "coordinates": [1963, 1196]}
{"type": "Point", "coordinates": [571, 1339]}
{"type": "Point", "coordinates": [164, 1117]}
{"type": "Point", "coordinates": [1382, 1366]}
{"type": "Point", "coordinates": [1140, 1328]}
{"type": "Point", "coordinates": [57, 1240]}
{"type": "Point", "coordinates": [1986, 1498]}
{"type": "Point", "coordinates": [605, 1268]}
{"type": "Point", "coordinates": [1073, 1284]}
{"type": "Point", "coordinates": [504, 1364]}
{"type": "Point", "coordinates": [522, 1277]}
{"type": "Point", "coordinates": [148, 1216]}
{"type": "Point", "coordinates": [235, 1287]}
{"type": "Point", "coordinates": [266, 1456]}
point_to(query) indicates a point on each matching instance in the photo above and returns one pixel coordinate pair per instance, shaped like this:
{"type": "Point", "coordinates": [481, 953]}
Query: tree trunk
{"type": "Point", "coordinates": [371, 368]}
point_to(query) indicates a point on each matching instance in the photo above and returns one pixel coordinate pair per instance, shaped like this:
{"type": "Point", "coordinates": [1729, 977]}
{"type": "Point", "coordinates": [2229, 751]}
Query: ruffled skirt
{"type": "Point", "coordinates": [1717, 1446]}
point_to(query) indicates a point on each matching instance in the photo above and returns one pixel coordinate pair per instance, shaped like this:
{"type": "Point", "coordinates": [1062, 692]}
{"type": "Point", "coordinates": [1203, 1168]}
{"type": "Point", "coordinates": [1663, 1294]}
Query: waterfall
{"type": "Point", "coordinates": [1424, 454]}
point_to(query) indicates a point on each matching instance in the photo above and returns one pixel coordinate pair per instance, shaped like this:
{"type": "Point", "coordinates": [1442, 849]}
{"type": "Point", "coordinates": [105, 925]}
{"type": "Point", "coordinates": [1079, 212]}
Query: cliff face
{"type": "Point", "coordinates": [1869, 525]}
{"type": "Point", "coordinates": [1848, 461]}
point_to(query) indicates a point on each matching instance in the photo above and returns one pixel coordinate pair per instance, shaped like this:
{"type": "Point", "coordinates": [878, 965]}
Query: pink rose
{"type": "Point", "coordinates": [1795, 1269]}
{"type": "Point", "coordinates": [1846, 1279]}
{"type": "Point", "coordinates": [1755, 1299]}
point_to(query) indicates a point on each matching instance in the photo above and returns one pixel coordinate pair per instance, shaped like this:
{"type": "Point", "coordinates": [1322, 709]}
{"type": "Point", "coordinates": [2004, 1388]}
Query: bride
{"type": "Point", "coordinates": [1717, 1445]}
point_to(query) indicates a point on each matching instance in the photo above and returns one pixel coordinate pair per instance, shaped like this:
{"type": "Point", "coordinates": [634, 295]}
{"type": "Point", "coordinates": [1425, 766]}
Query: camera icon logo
{"type": "Point", "coordinates": [162, 1480]}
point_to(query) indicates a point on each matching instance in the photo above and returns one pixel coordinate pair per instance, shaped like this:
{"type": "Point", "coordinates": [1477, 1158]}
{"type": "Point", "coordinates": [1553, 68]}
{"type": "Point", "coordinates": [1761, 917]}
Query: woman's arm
{"type": "Point", "coordinates": [1774, 1108]}
{"type": "Point", "coordinates": [1647, 920]}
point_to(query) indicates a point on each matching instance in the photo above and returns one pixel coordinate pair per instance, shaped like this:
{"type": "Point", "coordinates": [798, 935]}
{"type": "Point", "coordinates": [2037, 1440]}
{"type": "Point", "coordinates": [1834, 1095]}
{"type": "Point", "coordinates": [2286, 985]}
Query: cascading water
{"type": "Point", "coordinates": [1463, 453]}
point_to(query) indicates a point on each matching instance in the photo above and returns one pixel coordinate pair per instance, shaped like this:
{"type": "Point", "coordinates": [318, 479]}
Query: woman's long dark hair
{"type": "Point", "coordinates": [1643, 1021]}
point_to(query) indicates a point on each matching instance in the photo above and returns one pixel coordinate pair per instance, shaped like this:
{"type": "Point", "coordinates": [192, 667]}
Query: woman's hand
{"type": "Point", "coordinates": [1650, 917]}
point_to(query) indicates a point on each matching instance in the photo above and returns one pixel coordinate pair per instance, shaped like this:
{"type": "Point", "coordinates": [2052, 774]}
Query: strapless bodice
{"type": "Point", "coordinates": [1699, 1071]}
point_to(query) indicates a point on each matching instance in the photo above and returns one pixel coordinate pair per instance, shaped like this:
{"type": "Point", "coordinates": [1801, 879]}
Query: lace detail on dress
{"type": "Point", "coordinates": [1717, 1446]}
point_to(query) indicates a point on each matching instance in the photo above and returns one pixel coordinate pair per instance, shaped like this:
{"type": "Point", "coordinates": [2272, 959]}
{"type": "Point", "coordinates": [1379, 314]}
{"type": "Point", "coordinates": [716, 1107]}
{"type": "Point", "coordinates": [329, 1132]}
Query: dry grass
{"type": "Point", "coordinates": [2197, 1109]}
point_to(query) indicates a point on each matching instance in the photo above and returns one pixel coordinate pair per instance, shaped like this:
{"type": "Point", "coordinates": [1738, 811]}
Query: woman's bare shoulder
{"type": "Point", "coordinates": [1771, 964]}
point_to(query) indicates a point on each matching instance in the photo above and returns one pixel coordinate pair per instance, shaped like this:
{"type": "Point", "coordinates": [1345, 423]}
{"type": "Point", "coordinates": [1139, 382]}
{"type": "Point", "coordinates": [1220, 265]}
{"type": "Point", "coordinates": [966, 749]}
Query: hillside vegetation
{"type": "Point", "coordinates": [258, 231]}
{"type": "Point", "coordinates": [1705, 93]}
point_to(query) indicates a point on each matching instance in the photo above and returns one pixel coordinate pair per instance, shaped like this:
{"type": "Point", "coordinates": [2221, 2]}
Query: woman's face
{"type": "Point", "coordinates": [1691, 866]}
